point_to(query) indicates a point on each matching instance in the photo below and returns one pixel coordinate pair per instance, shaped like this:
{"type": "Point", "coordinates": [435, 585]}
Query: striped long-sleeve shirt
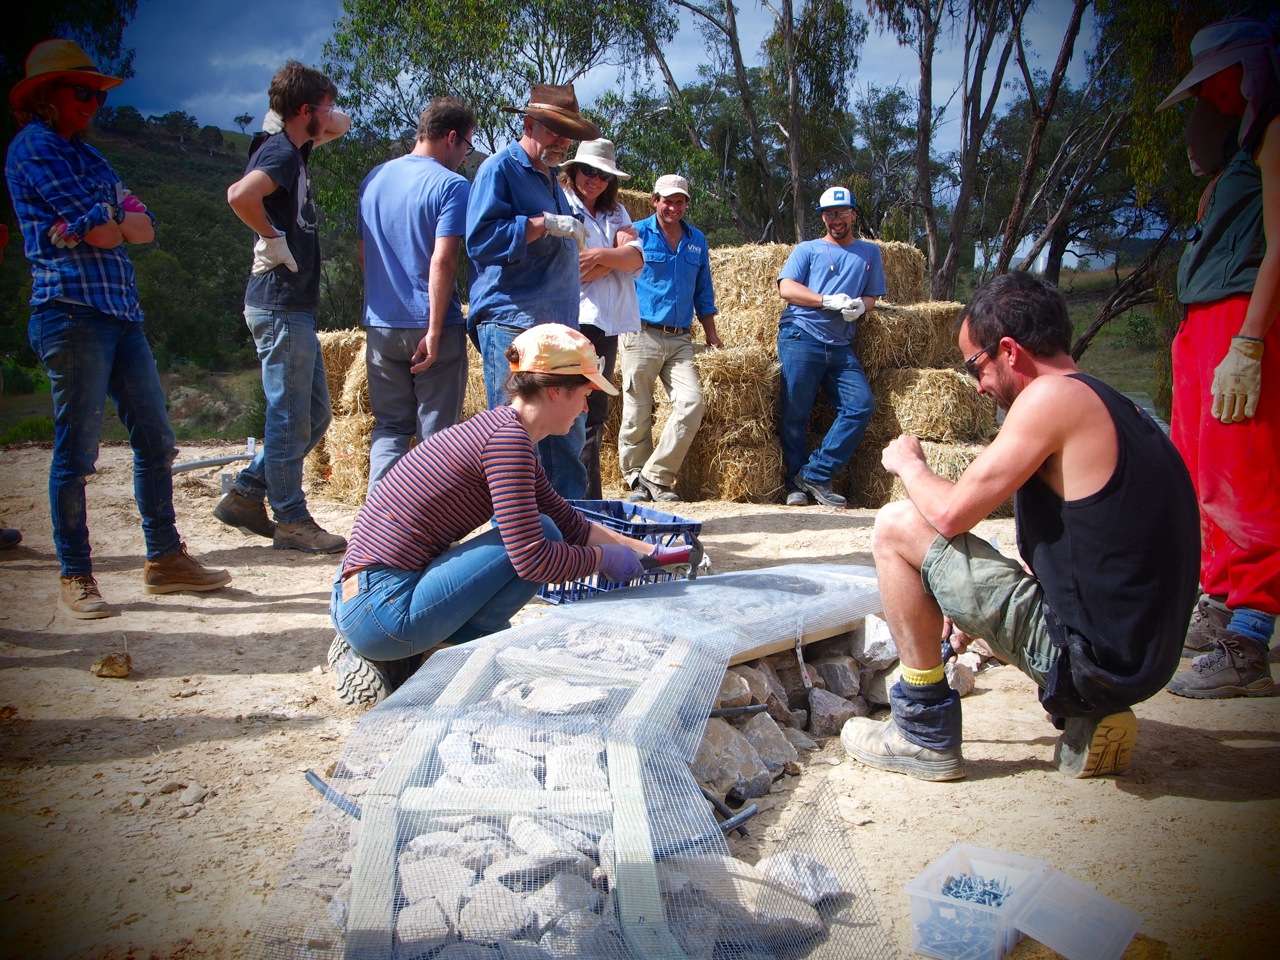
{"type": "Point", "coordinates": [457, 480]}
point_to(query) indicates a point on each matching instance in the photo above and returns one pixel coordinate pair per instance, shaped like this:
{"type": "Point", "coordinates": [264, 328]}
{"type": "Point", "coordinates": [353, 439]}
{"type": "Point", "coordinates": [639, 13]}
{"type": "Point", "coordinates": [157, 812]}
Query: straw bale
{"type": "Point", "coordinates": [932, 404]}
{"type": "Point", "coordinates": [348, 445]}
{"type": "Point", "coordinates": [745, 280]}
{"type": "Point", "coordinates": [904, 271]}
{"type": "Point", "coordinates": [355, 388]}
{"type": "Point", "coordinates": [740, 391]}
{"type": "Point", "coordinates": [740, 472]}
{"type": "Point", "coordinates": [639, 203]}
{"type": "Point", "coordinates": [908, 335]}
{"type": "Point", "coordinates": [315, 468]}
{"type": "Point", "coordinates": [338, 349]}
{"type": "Point", "coordinates": [476, 399]}
{"type": "Point", "coordinates": [869, 485]}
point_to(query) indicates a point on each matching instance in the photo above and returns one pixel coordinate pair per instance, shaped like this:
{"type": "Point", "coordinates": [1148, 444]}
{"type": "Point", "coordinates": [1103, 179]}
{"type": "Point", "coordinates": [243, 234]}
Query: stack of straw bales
{"type": "Point", "coordinates": [340, 463]}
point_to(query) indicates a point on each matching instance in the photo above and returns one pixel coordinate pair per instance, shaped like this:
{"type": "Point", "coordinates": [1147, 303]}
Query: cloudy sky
{"type": "Point", "coordinates": [214, 58]}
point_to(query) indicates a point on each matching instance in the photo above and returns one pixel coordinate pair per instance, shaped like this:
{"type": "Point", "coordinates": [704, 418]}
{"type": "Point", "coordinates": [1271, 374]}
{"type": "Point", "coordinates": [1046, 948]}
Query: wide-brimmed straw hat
{"type": "Point", "coordinates": [598, 154]}
{"type": "Point", "coordinates": [1217, 47]}
{"type": "Point", "coordinates": [58, 59]}
{"type": "Point", "coordinates": [556, 106]}
{"type": "Point", "coordinates": [554, 348]}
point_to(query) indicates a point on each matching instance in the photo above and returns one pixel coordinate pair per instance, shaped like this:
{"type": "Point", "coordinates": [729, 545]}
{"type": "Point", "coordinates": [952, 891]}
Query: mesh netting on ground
{"type": "Point", "coordinates": [527, 796]}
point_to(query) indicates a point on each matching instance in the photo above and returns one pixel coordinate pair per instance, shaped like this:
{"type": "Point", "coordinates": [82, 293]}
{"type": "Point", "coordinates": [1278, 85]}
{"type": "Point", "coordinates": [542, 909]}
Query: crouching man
{"type": "Point", "coordinates": [1107, 526]}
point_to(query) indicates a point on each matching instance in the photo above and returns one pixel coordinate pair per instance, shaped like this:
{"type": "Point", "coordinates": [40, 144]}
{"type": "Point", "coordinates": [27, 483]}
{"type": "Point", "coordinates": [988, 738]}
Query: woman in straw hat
{"type": "Point", "coordinates": [406, 585]}
{"type": "Point", "coordinates": [1226, 356]}
{"type": "Point", "coordinates": [86, 322]}
{"type": "Point", "coordinates": [608, 268]}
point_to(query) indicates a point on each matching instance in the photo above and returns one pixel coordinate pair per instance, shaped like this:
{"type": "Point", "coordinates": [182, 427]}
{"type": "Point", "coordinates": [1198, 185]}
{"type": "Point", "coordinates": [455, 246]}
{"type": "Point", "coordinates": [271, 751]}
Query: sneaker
{"type": "Point", "coordinates": [9, 538]}
{"type": "Point", "coordinates": [639, 492]}
{"type": "Point", "coordinates": [1208, 621]}
{"type": "Point", "coordinates": [245, 514]}
{"type": "Point", "coordinates": [178, 570]}
{"type": "Point", "coordinates": [797, 498]}
{"type": "Point", "coordinates": [1092, 747]}
{"type": "Point", "coordinates": [656, 491]}
{"type": "Point", "coordinates": [81, 598]}
{"type": "Point", "coordinates": [307, 536]}
{"type": "Point", "coordinates": [821, 492]}
{"type": "Point", "coordinates": [880, 744]}
{"type": "Point", "coordinates": [1236, 667]}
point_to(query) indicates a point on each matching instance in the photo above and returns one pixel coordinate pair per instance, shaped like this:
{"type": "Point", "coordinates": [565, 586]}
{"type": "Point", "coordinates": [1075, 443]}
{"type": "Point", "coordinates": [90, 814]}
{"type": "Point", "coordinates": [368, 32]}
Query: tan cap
{"type": "Point", "coordinates": [671, 183]}
{"type": "Point", "coordinates": [54, 59]}
{"type": "Point", "coordinates": [554, 348]}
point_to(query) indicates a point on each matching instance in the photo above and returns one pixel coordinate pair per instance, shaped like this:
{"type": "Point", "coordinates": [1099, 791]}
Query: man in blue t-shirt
{"type": "Point", "coordinates": [410, 225]}
{"type": "Point", "coordinates": [828, 284]}
{"type": "Point", "coordinates": [274, 200]}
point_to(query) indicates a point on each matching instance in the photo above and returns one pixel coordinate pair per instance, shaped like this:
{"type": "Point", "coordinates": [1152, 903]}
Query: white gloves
{"type": "Point", "coordinates": [1237, 381]}
{"type": "Point", "coordinates": [854, 310]}
{"type": "Point", "coordinates": [270, 252]}
{"type": "Point", "coordinates": [272, 122]}
{"type": "Point", "coordinates": [837, 301]}
{"type": "Point", "coordinates": [563, 225]}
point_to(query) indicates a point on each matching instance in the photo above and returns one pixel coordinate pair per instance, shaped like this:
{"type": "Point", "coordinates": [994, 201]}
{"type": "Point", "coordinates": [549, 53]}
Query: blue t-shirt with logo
{"type": "Point", "coordinates": [825, 268]}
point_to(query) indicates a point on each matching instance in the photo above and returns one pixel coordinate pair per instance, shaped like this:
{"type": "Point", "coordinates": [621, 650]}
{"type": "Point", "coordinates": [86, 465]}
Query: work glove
{"type": "Point", "coordinates": [132, 204]}
{"type": "Point", "coordinates": [619, 563]}
{"type": "Point", "coordinates": [270, 252]}
{"type": "Point", "coordinates": [61, 237]}
{"type": "Point", "coordinates": [1237, 381]}
{"type": "Point", "coordinates": [272, 122]}
{"type": "Point", "coordinates": [854, 310]}
{"type": "Point", "coordinates": [837, 301]}
{"type": "Point", "coordinates": [563, 225]}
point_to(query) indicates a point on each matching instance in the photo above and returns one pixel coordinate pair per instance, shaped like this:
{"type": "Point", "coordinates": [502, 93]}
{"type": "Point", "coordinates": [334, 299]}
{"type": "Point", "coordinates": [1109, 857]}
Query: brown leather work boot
{"type": "Point", "coordinates": [307, 536]}
{"type": "Point", "coordinates": [81, 598]}
{"type": "Point", "coordinates": [245, 514]}
{"type": "Point", "coordinates": [177, 570]}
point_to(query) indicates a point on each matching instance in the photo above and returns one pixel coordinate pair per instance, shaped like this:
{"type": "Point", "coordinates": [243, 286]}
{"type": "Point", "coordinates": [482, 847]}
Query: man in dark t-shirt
{"type": "Point", "coordinates": [1107, 529]}
{"type": "Point", "coordinates": [274, 200]}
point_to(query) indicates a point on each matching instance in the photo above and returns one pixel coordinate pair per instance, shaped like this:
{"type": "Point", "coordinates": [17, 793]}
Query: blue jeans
{"type": "Point", "coordinates": [560, 455]}
{"type": "Point", "coordinates": [90, 355]}
{"type": "Point", "coordinates": [297, 408]}
{"type": "Point", "coordinates": [807, 364]}
{"type": "Point", "coordinates": [465, 593]}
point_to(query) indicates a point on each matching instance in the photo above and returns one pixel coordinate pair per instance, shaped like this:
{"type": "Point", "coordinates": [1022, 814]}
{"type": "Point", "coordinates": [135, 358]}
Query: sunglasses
{"type": "Point", "coordinates": [971, 365]}
{"type": "Point", "coordinates": [85, 94]}
{"type": "Point", "coordinates": [588, 173]}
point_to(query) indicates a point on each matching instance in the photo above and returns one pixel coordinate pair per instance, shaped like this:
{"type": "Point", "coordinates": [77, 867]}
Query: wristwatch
{"type": "Point", "coordinates": [116, 212]}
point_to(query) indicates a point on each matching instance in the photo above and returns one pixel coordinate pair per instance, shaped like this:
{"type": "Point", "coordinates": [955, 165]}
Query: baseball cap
{"type": "Point", "coordinates": [836, 197]}
{"type": "Point", "coordinates": [671, 183]}
{"type": "Point", "coordinates": [554, 348]}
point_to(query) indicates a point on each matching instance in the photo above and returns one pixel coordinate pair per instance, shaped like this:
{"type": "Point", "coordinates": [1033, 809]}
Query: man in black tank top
{"type": "Point", "coordinates": [1107, 529]}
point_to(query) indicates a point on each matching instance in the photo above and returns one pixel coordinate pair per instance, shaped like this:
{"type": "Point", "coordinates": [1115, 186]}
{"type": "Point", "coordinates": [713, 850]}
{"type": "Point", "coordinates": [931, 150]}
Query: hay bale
{"type": "Point", "coordinates": [908, 335]}
{"type": "Point", "coordinates": [475, 400]}
{"type": "Point", "coordinates": [348, 446]}
{"type": "Point", "coordinates": [338, 348]}
{"type": "Point", "coordinates": [315, 468]}
{"type": "Point", "coordinates": [745, 280]}
{"type": "Point", "coordinates": [740, 389]}
{"type": "Point", "coordinates": [638, 203]}
{"type": "Point", "coordinates": [869, 485]}
{"type": "Point", "coordinates": [932, 404]}
{"type": "Point", "coordinates": [355, 387]}
{"type": "Point", "coordinates": [904, 271]}
{"type": "Point", "coordinates": [739, 472]}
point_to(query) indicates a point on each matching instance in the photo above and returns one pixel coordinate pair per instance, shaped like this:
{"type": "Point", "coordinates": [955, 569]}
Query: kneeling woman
{"type": "Point", "coordinates": [406, 584]}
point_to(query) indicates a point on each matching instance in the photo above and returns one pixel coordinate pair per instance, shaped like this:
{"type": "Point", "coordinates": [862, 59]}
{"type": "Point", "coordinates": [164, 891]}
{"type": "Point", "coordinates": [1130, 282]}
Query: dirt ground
{"type": "Point", "coordinates": [103, 854]}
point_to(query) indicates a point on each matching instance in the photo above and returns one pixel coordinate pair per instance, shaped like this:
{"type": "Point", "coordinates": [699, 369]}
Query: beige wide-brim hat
{"type": "Point", "coordinates": [556, 105]}
{"type": "Point", "coordinates": [58, 59]}
{"type": "Point", "coordinates": [1217, 47]}
{"type": "Point", "coordinates": [598, 154]}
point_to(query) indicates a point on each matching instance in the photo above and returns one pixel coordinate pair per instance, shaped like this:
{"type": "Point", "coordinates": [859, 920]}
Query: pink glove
{"type": "Point", "coordinates": [132, 204]}
{"type": "Point", "coordinates": [619, 564]}
{"type": "Point", "coordinates": [667, 556]}
{"type": "Point", "coordinates": [61, 237]}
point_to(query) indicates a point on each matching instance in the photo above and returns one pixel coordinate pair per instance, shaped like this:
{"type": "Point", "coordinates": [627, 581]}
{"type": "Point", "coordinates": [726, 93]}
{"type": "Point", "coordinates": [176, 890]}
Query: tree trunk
{"type": "Point", "coordinates": [793, 119]}
{"type": "Point", "coordinates": [1053, 258]}
{"type": "Point", "coordinates": [748, 108]}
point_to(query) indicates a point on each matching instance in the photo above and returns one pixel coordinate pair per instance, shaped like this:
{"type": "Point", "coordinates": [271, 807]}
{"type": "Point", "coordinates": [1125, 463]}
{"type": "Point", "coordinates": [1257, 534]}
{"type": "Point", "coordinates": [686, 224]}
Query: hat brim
{"type": "Point", "coordinates": [600, 383]}
{"type": "Point", "coordinates": [561, 124]}
{"type": "Point", "coordinates": [20, 95]}
{"type": "Point", "coordinates": [597, 164]}
{"type": "Point", "coordinates": [1203, 71]}
{"type": "Point", "coordinates": [673, 191]}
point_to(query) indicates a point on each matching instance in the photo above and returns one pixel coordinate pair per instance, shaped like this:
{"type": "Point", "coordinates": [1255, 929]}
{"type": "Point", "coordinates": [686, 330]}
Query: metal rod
{"type": "Point", "coordinates": [721, 807]}
{"type": "Point", "coordinates": [739, 711]}
{"type": "Point", "coordinates": [332, 795]}
{"type": "Point", "coordinates": [211, 462]}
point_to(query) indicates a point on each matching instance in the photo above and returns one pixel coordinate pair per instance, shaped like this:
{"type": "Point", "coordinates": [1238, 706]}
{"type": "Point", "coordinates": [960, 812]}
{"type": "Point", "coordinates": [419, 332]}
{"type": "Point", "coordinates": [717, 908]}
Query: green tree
{"type": "Point", "coordinates": [177, 123]}
{"type": "Point", "coordinates": [243, 121]}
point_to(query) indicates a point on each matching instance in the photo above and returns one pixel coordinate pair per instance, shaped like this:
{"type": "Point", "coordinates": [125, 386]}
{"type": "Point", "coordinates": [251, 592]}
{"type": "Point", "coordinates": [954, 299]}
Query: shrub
{"type": "Point", "coordinates": [32, 429]}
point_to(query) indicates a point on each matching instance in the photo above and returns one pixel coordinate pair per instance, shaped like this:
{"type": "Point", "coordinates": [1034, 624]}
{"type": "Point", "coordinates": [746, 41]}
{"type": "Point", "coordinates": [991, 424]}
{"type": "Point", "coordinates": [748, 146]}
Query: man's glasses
{"type": "Point", "coordinates": [85, 94]}
{"type": "Point", "coordinates": [971, 365]}
{"type": "Point", "coordinates": [470, 146]}
{"type": "Point", "coordinates": [326, 109]}
{"type": "Point", "coordinates": [588, 173]}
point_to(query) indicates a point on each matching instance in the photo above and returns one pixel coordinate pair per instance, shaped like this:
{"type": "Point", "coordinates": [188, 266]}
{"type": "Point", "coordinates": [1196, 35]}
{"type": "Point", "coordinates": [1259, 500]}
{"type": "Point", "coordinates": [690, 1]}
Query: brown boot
{"type": "Point", "coordinates": [81, 598]}
{"type": "Point", "coordinates": [176, 570]}
{"type": "Point", "coordinates": [245, 514]}
{"type": "Point", "coordinates": [307, 536]}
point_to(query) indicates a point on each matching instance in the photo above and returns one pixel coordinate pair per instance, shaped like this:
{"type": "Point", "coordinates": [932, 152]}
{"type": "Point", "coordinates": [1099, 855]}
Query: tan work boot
{"type": "Point", "coordinates": [245, 514]}
{"type": "Point", "coordinates": [307, 536]}
{"type": "Point", "coordinates": [81, 598]}
{"type": "Point", "coordinates": [1092, 747]}
{"type": "Point", "coordinates": [177, 570]}
{"type": "Point", "coordinates": [880, 744]}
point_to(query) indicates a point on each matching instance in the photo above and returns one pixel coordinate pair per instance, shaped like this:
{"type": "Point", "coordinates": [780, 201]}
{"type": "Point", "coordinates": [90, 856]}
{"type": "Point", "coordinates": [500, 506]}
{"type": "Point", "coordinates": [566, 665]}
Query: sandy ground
{"type": "Point", "coordinates": [100, 855]}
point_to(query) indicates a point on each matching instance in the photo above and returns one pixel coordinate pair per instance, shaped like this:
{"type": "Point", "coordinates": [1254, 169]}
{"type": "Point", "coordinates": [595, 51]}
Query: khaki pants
{"type": "Point", "coordinates": [646, 357]}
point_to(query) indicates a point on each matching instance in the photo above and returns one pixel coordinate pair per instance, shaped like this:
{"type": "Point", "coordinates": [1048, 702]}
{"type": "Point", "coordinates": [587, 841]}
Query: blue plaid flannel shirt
{"type": "Point", "coordinates": [50, 179]}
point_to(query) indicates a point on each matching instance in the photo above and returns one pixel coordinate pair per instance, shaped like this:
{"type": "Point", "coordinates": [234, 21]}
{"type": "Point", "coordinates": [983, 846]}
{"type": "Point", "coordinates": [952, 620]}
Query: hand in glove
{"type": "Point", "coordinates": [61, 237]}
{"type": "Point", "coordinates": [563, 225]}
{"type": "Point", "coordinates": [132, 204]}
{"type": "Point", "coordinates": [270, 252]}
{"type": "Point", "coordinates": [619, 563]}
{"type": "Point", "coordinates": [837, 301]}
{"type": "Point", "coordinates": [854, 310]}
{"type": "Point", "coordinates": [1237, 381]}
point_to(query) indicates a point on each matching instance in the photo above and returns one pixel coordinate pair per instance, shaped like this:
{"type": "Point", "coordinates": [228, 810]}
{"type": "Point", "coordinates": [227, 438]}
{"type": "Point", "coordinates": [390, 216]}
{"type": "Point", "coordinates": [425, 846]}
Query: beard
{"type": "Point", "coordinates": [553, 156]}
{"type": "Point", "coordinates": [314, 126]}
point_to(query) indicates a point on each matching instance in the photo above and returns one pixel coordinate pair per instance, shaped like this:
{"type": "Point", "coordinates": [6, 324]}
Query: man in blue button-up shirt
{"type": "Point", "coordinates": [674, 285]}
{"type": "Point", "coordinates": [523, 242]}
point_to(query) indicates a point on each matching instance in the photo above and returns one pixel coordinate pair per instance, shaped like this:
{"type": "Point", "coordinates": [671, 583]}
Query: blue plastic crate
{"type": "Point", "coordinates": [633, 520]}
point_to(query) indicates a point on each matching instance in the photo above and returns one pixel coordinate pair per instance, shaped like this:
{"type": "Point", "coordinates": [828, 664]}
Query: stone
{"type": "Point", "coordinates": [971, 659]}
{"type": "Point", "coordinates": [779, 707]}
{"type": "Point", "coordinates": [583, 934]}
{"type": "Point", "coordinates": [788, 671]}
{"type": "Point", "coordinates": [772, 746]}
{"type": "Point", "coordinates": [456, 751]}
{"type": "Point", "coordinates": [465, 951]}
{"type": "Point", "coordinates": [518, 950]}
{"type": "Point", "coordinates": [754, 906]}
{"type": "Point", "coordinates": [564, 894]}
{"type": "Point", "coordinates": [829, 713]}
{"type": "Point", "coordinates": [877, 691]}
{"type": "Point", "coordinates": [960, 678]}
{"type": "Point", "coordinates": [530, 872]}
{"type": "Point", "coordinates": [498, 776]}
{"type": "Point", "coordinates": [799, 739]}
{"type": "Point", "coordinates": [727, 763]}
{"type": "Point", "coordinates": [138, 801]}
{"type": "Point", "coordinates": [840, 675]}
{"type": "Point", "coordinates": [113, 665]}
{"type": "Point", "coordinates": [875, 648]}
{"type": "Point", "coordinates": [551, 695]}
{"type": "Point", "coordinates": [576, 767]}
{"type": "Point", "coordinates": [479, 855]}
{"type": "Point", "coordinates": [193, 794]}
{"type": "Point", "coordinates": [443, 880]}
{"type": "Point", "coordinates": [799, 720]}
{"type": "Point", "coordinates": [492, 913]}
{"type": "Point", "coordinates": [734, 691]}
{"type": "Point", "coordinates": [756, 682]}
{"type": "Point", "coordinates": [533, 838]}
{"type": "Point", "coordinates": [421, 927]}
{"type": "Point", "coordinates": [805, 876]}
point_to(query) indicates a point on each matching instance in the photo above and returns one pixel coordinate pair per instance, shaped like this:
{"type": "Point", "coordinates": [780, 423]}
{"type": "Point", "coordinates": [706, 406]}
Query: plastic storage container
{"type": "Point", "coordinates": [636, 521]}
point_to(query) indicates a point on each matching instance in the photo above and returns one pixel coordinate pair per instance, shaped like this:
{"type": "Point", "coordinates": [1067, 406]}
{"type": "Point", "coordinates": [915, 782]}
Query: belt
{"type": "Point", "coordinates": [665, 328]}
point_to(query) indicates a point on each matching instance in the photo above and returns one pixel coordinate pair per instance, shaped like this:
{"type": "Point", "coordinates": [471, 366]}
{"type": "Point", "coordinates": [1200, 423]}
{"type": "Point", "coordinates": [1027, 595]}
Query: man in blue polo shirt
{"type": "Point", "coordinates": [523, 242]}
{"type": "Point", "coordinates": [674, 285]}
{"type": "Point", "coordinates": [828, 284]}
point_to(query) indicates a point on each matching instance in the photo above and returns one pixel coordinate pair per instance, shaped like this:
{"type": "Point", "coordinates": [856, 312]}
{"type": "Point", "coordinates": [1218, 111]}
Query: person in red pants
{"type": "Point", "coordinates": [1226, 357]}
